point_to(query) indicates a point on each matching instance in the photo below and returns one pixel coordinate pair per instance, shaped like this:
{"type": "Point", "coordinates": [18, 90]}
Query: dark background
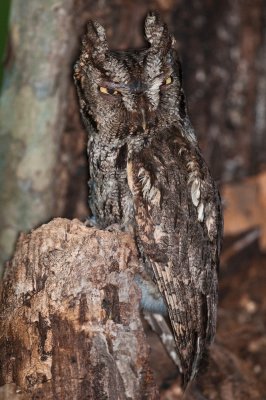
{"type": "Point", "coordinates": [43, 173]}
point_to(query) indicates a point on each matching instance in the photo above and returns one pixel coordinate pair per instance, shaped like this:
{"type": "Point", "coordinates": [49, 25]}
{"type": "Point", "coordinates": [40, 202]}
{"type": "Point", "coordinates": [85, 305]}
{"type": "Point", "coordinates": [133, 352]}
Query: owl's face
{"type": "Point", "coordinates": [134, 93]}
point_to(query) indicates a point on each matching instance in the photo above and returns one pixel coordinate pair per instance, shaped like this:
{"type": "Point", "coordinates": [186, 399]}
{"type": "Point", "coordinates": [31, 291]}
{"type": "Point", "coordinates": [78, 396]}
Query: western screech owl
{"type": "Point", "coordinates": [147, 176]}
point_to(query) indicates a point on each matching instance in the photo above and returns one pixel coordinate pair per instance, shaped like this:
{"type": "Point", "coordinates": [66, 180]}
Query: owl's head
{"type": "Point", "coordinates": [136, 92]}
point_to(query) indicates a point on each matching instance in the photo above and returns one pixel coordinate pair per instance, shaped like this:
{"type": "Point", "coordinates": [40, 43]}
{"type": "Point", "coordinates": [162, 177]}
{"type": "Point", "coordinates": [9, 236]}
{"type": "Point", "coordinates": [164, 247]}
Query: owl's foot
{"type": "Point", "coordinates": [91, 223]}
{"type": "Point", "coordinates": [114, 228]}
{"type": "Point", "coordinates": [151, 298]}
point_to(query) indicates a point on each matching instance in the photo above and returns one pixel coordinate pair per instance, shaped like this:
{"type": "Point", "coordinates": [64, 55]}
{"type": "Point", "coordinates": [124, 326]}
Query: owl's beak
{"type": "Point", "coordinates": [144, 124]}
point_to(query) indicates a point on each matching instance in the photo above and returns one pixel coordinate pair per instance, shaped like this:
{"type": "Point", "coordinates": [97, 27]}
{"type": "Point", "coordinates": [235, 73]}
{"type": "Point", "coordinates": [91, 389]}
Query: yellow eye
{"type": "Point", "coordinates": [106, 90]}
{"type": "Point", "coordinates": [168, 80]}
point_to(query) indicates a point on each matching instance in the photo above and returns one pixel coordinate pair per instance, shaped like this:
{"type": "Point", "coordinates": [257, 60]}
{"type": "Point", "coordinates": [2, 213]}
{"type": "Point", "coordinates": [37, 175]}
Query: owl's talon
{"type": "Point", "coordinates": [90, 222]}
{"type": "Point", "coordinates": [114, 228]}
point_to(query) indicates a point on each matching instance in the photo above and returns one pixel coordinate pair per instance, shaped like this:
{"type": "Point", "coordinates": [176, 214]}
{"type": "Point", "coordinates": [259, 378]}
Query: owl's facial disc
{"type": "Point", "coordinates": [138, 98]}
{"type": "Point", "coordinates": [136, 87]}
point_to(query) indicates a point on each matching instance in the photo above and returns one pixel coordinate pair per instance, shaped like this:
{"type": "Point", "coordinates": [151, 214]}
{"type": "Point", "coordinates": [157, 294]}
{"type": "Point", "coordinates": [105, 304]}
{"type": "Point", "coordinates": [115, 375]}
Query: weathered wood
{"type": "Point", "coordinates": [70, 323]}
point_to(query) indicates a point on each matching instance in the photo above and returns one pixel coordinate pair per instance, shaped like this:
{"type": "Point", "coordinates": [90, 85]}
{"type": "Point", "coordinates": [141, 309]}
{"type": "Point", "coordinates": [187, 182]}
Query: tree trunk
{"type": "Point", "coordinates": [32, 114]}
{"type": "Point", "coordinates": [70, 323]}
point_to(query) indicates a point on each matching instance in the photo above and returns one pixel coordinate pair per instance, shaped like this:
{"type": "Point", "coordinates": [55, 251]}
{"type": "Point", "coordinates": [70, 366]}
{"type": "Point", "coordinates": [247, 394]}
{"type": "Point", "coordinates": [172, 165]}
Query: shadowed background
{"type": "Point", "coordinates": [43, 171]}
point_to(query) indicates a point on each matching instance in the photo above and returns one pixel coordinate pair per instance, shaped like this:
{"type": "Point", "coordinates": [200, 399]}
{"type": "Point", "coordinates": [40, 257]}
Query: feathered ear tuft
{"type": "Point", "coordinates": [94, 42]}
{"type": "Point", "coordinates": [153, 28]}
{"type": "Point", "coordinates": [157, 33]}
{"type": "Point", "coordinates": [94, 48]}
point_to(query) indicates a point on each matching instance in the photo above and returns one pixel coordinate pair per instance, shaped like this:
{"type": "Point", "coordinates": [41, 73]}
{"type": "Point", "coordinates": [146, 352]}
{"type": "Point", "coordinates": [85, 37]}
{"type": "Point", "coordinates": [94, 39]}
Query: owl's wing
{"type": "Point", "coordinates": [179, 224]}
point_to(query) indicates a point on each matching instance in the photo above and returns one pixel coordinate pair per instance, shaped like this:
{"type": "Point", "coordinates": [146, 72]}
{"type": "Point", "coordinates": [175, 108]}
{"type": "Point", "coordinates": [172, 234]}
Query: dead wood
{"type": "Point", "coordinates": [70, 323]}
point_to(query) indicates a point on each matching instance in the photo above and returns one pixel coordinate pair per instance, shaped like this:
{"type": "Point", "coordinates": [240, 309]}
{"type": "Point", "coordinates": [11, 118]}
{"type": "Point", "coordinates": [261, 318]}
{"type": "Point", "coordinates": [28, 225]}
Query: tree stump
{"type": "Point", "coordinates": [70, 323]}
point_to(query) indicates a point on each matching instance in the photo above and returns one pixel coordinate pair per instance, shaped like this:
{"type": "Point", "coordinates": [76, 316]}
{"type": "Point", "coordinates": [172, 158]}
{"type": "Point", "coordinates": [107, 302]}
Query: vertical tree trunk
{"type": "Point", "coordinates": [32, 110]}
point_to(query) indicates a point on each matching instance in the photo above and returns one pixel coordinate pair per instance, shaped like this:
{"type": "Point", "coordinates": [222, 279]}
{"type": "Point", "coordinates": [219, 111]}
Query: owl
{"type": "Point", "coordinates": [148, 177]}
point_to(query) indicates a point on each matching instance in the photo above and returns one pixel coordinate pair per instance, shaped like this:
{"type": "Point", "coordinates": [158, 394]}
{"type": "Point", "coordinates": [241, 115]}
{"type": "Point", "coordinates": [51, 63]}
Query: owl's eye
{"type": "Point", "coordinates": [106, 90]}
{"type": "Point", "coordinates": [168, 80]}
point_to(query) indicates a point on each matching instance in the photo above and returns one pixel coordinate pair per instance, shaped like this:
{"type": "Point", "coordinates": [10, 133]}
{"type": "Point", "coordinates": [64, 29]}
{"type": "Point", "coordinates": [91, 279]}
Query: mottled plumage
{"type": "Point", "coordinates": [147, 176]}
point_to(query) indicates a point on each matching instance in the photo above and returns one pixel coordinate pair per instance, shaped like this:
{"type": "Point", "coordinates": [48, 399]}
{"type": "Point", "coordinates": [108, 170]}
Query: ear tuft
{"type": "Point", "coordinates": [153, 28]}
{"type": "Point", "coordinates": [157, 33]}
{"type": "Point", "coordinates": [94, 42]}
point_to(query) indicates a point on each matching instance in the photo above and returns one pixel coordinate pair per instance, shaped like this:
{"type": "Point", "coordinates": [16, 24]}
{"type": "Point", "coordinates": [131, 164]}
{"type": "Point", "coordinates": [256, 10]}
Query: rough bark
{"type": "Point", "coordinates": [32, 110]}
{"type": "Point", "coordinates": [70, 323]}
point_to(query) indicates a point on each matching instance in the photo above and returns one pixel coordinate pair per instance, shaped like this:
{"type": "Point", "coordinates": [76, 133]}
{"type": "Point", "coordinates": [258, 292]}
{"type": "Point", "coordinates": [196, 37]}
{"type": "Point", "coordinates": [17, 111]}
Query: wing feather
{"type": "Point", "coordinates": [178, 218]}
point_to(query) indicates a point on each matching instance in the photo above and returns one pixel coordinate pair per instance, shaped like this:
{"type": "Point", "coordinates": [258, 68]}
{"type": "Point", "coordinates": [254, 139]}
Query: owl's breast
{"type": "Point", "coordinates": [110, 199]}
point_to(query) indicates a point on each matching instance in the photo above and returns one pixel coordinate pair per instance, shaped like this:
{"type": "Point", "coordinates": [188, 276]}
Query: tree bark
{"type": "Point", "coordinates": [70, 323]}
{"type": "Point", "coordinates": [32, 114]}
